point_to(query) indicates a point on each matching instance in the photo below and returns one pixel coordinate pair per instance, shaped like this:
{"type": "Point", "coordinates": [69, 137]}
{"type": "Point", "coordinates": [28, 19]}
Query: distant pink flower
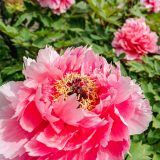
{"type": "Point", "coordinates": [152, 5]}
{"type": "Point", "coordinates": [135, 39]}
{"type": "Point", "coordinates": [57, 6]}
{"type": "Point", "coordinates": [70, 107]}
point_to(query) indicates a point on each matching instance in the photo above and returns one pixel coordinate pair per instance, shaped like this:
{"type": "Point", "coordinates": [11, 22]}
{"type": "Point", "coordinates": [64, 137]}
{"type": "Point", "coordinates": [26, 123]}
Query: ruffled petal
{"type": "Point", "coordinates": [31, 118]}
{"type": "Point", "coordinates": [36, 148]}
{"type": "Point", "coordinates": [119, 129]}
{"type": "Point", "coordinates": [12, 139]}
{"type": "Point", "coordinates": [8, 92]}
{"type": "Point", "coordinates": [141, 119]}
{"type": "Point", "coordinates": [114, 151]}
{"type": "Point", "coordinates": [92, 120]}
{"type": "Point", "coordinates": [53, 140]}
{"type": "Point", "coordinates": [68, 110]}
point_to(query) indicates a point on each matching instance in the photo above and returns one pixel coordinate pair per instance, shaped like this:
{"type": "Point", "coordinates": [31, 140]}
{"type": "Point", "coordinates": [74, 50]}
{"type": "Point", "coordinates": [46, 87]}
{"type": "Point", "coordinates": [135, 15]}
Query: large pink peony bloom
{"type": "Point", "coordinates": [135, 39]}
{"type": "Point", "coordinates": [57, 6]}
{"type": "Point", "coordinates": [152, 5]}
{"type": "Point", "coordinates": [70, 107]}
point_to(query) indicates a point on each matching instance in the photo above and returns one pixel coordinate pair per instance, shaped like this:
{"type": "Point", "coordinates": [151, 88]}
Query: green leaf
{"type": "Point", "coordinates": [68, 43]}
{"type": "Point", "coordinates": [28, 16]}
{"type": "Point", "coordinates": [97, 48]}
{"type": "Point", "coordinates": [106, 10]}
{"type": "Point", "coordinates": [156, 107]}
{"type": "Point", "coordinates": [156, 121]}
{"type": "Point", "coordinates": [81, 7]}
{"type": "Point", "coordinates": [156, 147]}
{"type": "Point", "coordinates": [12, 69]}
{"type": "Point", "coordinates": [140, 151]}
{"type": "Point", "coordinates": [156, 157]}
{"type": "Point", "coordinates": [153, 136]}
{"type": "Point", "coordinates": [135, 66]}
{"type": "Point", "coordinates": [123, 70]}
{"type": "Point", "coordinates": [150, 66]}
{"type": "Point", "coordinates": [45, 20]}
{"type": "Point", "coordinates": [8, 30]}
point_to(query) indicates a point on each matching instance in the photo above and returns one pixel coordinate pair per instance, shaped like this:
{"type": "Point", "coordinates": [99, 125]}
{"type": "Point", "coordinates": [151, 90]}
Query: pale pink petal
{"type": "Point", "coordinates": [28, 61]}
{"type": "Point", "coordinates": [35, 71]}
{"type": "Point", "coordinates": [6, 112]}
{"type": "Point", "coordinates": [57, 6]}
{"type": "Point", "coordinates": [141, 119]}
{"type": "Point", "coordinates": [12, 139]}
{"type": "Point", "coordinates": [92, 120]}
{"type": "Point", "coordinates": [8, 92]}
{"type": "Point", "coordinates": [68, 110]}
{"type": "Point", "coordinates": [123, 88]}
{"type": "Point", "coordinates": [47, 56]}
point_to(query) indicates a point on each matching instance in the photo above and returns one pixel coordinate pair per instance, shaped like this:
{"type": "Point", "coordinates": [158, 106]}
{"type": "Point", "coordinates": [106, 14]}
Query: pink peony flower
{"type": "Point", "coordinates": [70, 107]}
{"type": "Point", "coordinates": [57, 6]}
{"type": "Point", "coordinates": [152, 5]}
{"type": "Point", "coordinates": [135, 39]}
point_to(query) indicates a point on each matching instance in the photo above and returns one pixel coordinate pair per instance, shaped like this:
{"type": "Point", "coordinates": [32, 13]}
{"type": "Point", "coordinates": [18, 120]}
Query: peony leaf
{"type": "Point", "coordinates": [140, 151]}
{"type": "Point", "coordinates": [156, 157]}
{"type": "Point", "coordinates": [153, 136]}
{"type": "Point", "coordinates": [156, 121]}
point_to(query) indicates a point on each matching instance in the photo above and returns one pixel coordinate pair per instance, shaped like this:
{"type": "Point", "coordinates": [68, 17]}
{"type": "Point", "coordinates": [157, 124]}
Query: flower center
{"type": "Point", "coordinates": [81, 85]}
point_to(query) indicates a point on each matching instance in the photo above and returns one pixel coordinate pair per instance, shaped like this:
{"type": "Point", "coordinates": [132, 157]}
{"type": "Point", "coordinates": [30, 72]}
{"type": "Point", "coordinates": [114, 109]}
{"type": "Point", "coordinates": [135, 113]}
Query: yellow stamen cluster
{"type": "Point", "coordinates": [82, 85]}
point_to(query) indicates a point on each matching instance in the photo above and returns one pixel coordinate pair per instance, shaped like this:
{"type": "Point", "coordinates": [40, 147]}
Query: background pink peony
{"type": "Point", "coordinates": [57, 6]}
{"type": "Point", "coordinates": [152, 5]}
{"type": "Point", "coordinates": [135, 39]}
{"type": "Point", "coordinates": [36, 124]}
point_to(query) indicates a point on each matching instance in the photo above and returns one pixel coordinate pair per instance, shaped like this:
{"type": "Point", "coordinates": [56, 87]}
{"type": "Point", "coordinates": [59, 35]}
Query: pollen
{"type": "Point", "coordinates": [82, 85]}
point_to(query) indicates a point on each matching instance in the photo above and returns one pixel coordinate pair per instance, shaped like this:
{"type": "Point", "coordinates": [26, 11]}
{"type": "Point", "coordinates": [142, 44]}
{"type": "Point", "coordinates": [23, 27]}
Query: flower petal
{"type": "Point", "coordinates": [53, 140]}
{"type": "Point", "coordinates": [31, 118]}
{"type": "Point", "coordinates": [36, 148]}
{"type": "Point", "coordinates": [119, 129]}
{"type": "Point", "coordinates": [12, 139]}
{"type": "Point", "coordinates": [114, 151]}
{"type": "Point", "coordinates": [68, 110]}
{"type": "Point", "coordinates": [141, 119]}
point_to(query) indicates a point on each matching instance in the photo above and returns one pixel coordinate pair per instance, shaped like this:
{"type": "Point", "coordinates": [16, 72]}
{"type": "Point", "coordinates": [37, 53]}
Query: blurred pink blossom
{"type": "Point", "coordinates": [57, 6]}
{"type": "Point", "coordinates": [135, 39]}
{"type": "Point", "coordinates": [70, 107]}
{"type": "Point", "coordinates": [152, 5]}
